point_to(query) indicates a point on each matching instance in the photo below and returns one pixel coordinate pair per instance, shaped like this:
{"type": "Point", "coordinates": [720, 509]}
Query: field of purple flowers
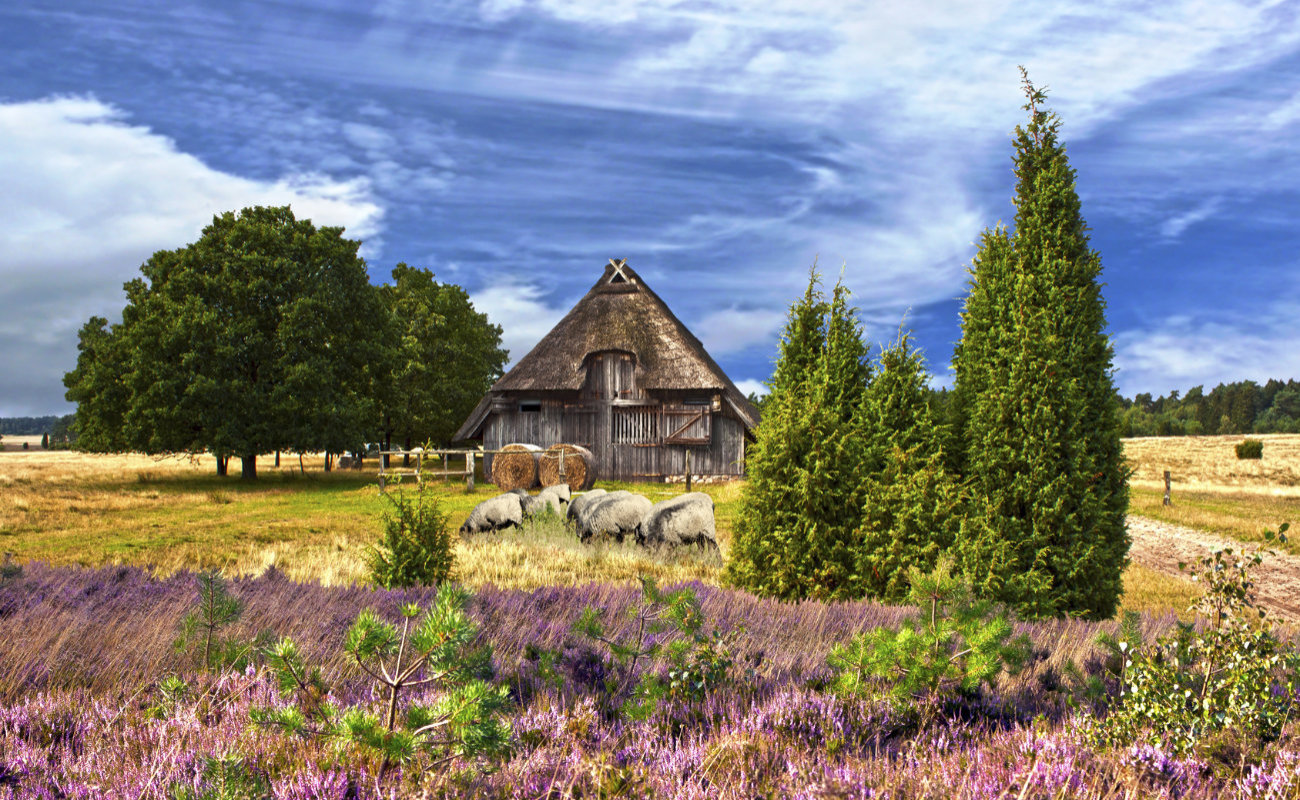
{"type": "Point", "coordinates": [86, 710]}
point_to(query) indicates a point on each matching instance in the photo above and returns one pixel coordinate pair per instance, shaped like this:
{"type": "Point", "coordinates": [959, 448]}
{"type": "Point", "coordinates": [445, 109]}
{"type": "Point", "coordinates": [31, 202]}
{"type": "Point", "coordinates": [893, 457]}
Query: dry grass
{"type": "Point", "coordinates": [173, 514]}
{"type": "Point", "coordinates": [1209, 463]}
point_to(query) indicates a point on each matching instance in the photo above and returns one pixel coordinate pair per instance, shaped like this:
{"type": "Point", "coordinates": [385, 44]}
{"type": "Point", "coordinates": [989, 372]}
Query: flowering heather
{"type": "Point", "coordinates": [83, 714]}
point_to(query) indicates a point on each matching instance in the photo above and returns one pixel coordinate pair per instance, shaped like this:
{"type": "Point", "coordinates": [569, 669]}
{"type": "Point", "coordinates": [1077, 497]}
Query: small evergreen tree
{"type": "Point", "coordinates": [795, 529]}
{"type": "Point", "coordinates": [1040, 423]}
{"type": "Point", "coordinates": [911, 504]}
{"type": "Point", "coordinates": [417, 548]}
{"type": "Point", "coordinates": [770, 511]}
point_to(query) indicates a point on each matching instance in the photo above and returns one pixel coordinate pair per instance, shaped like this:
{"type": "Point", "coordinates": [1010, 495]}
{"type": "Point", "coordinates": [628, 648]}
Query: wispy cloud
{"type": "Point", "coordinates": [1173, 227]}
{"type": "Point", "coordinates": [1208, 348]}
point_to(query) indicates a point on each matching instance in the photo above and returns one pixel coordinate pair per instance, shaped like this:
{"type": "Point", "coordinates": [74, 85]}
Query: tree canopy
{"type": "Point", "coordinates": [265, 334]}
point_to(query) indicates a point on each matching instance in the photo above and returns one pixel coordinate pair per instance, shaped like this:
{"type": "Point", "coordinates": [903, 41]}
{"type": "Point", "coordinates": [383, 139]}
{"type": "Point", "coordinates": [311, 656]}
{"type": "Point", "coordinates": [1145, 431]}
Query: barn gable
{"type": "Point", "coordinates": [619, 347]}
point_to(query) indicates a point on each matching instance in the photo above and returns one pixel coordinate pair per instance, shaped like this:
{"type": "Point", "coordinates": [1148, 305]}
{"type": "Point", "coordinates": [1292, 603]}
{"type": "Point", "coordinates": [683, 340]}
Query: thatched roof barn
{"type": "Point", "coordinates": [623, 377]}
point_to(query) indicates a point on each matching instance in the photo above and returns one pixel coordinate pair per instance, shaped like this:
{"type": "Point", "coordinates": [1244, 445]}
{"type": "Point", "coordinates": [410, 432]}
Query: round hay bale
{"type": "Point", "coordinates": [515, 467]}
{"type": "Point", "coordinates": [567, 463]}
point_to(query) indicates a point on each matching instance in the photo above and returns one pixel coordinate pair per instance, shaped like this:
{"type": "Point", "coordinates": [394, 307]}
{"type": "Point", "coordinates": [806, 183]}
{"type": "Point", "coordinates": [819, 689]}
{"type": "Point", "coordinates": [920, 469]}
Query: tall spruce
{"type": "Point", "coordinates": [1040, 424]}
{"type": "Point", "coordinates": [911, 503]}
{"type": "Point", "coordinates": [794, 532]}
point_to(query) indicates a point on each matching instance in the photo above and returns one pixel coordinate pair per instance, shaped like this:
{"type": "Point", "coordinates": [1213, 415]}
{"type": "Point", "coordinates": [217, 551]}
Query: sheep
{"type": "Point", "coordinates": [576, 504]}
{"type": "Point", "coordinates": [615, 516]}
{"type": "Point", "coordinates": [683, 520]}
{"type": "Point", "coordinates": [553, 497]}
{"type": "Point", "coordinates": [503, 511]}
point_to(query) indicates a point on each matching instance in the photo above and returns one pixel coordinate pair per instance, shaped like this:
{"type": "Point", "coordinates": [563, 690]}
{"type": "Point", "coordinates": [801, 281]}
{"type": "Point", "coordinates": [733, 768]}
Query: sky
{"type": "Point", "coordinates": [723, 147]}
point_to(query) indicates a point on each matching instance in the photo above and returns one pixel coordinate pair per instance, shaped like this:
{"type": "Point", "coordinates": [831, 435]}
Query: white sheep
{"type": "Point", "coordinates": [686, 519]}
{"type": "Point", "coordinates": [503, 511]}
{"type": "Point", "coordinates": [576, 504]}
{"type": "Point", "coordinates": [613, 516]}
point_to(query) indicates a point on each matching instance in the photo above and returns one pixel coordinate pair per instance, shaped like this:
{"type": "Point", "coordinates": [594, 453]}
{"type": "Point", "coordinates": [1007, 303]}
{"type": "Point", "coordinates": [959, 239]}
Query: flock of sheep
{"type": "Point", "coordinates": [684, 520]}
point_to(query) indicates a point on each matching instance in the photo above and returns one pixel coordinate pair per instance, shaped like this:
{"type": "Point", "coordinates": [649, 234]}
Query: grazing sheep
{"type": "Point", "coordinates": [553, 497]}
{"type": "Point", "coordinates": [495, 513]}
{"type": "Point", "coordinates": [683, 520]}
{"type": "Point", "coordinates": [613, 516]}
{"type": "Point", "coordinates": [576, 504]}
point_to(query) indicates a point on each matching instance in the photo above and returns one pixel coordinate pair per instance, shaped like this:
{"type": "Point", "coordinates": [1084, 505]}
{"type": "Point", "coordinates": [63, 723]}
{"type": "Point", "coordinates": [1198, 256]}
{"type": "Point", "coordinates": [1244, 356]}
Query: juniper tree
{"type": "Point", "coordinates": [770, 512]}
{"type": "Point", "coordinates": [911, 502]}
{"type": "Point", "coordinates": [794, 533]}
{"type": "Point", "coordinates": [1040, 425]}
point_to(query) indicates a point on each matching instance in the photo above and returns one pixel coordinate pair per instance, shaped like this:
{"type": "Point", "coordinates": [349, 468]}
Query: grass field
{"type": "Point", "coordinates": [171, 514]}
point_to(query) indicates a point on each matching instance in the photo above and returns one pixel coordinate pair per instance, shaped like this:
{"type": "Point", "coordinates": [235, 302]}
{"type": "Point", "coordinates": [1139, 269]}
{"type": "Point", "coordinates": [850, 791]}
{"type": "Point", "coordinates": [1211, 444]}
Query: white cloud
{"type": "Point", "coordinates": [734, 329]}
{"type": "Point", "coordinates": [521, 312]}
{"type": "Point", "coordinates": [1179, 352]}
{"type": "Point", "coordinates": [89, 197]}
{"type": "Point", "coordinates": [1173, 227]}
{"type": "Point", "coordinates": [750, 386]}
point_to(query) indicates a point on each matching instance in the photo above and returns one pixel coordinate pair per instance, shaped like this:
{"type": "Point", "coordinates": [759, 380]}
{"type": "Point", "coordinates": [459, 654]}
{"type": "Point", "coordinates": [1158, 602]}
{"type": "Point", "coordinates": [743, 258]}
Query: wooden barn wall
{"type": "Point", "coordinates": [592, 425]}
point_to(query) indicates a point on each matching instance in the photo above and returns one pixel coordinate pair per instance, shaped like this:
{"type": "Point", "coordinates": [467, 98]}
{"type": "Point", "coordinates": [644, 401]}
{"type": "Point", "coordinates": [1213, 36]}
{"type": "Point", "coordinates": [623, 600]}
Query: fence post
{"type": "Point", "coordinates": [1168, 502]}
{"type": "Point", "coordinates": [469, 470]}
{"type": "Point", "coordinates": [688, 469]}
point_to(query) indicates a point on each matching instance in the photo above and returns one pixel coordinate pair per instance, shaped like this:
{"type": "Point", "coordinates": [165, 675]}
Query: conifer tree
{"type": "Point", "coordinates": [794, 533]}
{"type": "Point", "coordinates": [911, 503]}
{"type": "Point", "coordinates": [770, 511]}
{"type": "Point", "coordinates": [1042, 454]}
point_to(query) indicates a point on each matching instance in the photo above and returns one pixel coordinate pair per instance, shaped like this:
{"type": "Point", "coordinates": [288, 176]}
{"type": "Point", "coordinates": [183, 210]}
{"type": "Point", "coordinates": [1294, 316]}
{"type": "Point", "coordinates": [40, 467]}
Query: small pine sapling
{"type": "Point", "coordinates": [1232, 674]}
{"type": "Point", "coordinates": [434, 648]}
{"type": "Point", "coordinates": [417, 547]}
{"type": "Point", "coordinates": [225, 777]}
{"type": "Point", "coordinates": [217, 609]}
{"type": "Point", "coordinates": [953, 646]}
{"type": "Point", "coordinates": [668, 625]}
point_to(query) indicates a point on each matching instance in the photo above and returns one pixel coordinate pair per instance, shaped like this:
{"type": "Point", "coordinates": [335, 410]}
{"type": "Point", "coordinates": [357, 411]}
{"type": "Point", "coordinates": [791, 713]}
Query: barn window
{"type": "Point", "coordinates": [689, 423]}
{"type": "Point", "coordinates": [635, 425]}
{"type": "Point", "coordinates": [530, 406]}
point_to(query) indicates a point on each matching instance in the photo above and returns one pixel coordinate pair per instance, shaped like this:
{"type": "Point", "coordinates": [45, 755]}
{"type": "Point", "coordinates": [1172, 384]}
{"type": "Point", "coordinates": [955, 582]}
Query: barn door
{"type": "Point", "coordinates": [687, 424]}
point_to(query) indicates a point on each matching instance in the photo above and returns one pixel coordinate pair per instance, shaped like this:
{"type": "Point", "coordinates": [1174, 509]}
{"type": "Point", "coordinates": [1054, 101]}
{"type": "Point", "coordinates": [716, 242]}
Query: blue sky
{"type": "Point", "coordinates": [513, 146]}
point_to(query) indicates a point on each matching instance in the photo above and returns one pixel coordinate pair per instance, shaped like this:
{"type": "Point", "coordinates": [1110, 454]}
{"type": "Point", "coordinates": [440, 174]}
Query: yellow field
{"type": "Point", "coordinates": [175, 513]}
{"type": "Point", "coordinates": [1209, 463]}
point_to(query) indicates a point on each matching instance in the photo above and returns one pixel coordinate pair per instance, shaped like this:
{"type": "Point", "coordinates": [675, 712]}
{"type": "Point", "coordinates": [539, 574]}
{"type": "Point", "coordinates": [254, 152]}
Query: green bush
{"type": "Point", "coordinates": [1230, 675]}
{"type": "Point", "coordinates": [668, 624]}
{"type": "Point", "coordinates": [1250, 448]}
{"type": "Point", "coordinates": [436, 647]}
{"type": "Point", "coordinates": [953, 646]}
{"type": "Point", "coordinates": [417, 548]}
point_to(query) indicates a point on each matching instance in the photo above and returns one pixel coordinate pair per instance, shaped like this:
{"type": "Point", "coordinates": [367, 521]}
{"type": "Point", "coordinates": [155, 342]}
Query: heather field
{"type": "Point", "coordinates": [87, 714]}
{"type": "Point", "coordinates": [97, 702]}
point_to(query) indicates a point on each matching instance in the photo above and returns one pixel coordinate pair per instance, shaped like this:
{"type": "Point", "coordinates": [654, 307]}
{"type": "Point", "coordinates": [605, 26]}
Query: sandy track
{"type": "Point", "coordinates": [1160, 546]}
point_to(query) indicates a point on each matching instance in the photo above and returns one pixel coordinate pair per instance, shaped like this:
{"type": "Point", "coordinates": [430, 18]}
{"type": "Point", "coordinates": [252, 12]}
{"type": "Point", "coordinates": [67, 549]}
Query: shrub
{"type": "Point", "coordinates": [217, 609]}
{"type": "Point", "coordinates": [670, 624]}
{"type": "Point", "coordinates": [953, 646]}
{"type": "Point", "coordinates": [417, 546]}
{"type": "Point", "coordinates": [434, 648]}
{"type": "Point", "coordinates": [1231, 674]}
{"type": "Point", "coordinates": [1250, 448]}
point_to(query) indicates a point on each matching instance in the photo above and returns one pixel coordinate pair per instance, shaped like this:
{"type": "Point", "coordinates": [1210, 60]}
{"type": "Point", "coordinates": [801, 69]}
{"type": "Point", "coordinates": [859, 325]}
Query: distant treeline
{"type": "Point", "coordinates": [1229, 408]}
{"type": "Point", "coordinates": [27, 426]}
{"type": "Point", "coordinates": [1241, 407]}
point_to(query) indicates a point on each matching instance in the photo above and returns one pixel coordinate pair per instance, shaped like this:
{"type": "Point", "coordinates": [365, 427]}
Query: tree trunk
{"type": "Point", "coordinates": [328, 465]}
{"type": "Point", "coordinates": [406, 457]}
{"type": "Point", "coordinates": [277, 459]}
{"type": "Point", "coordinates": [248, 468]}
{"type": "Point", "coordinates": [221, 465]}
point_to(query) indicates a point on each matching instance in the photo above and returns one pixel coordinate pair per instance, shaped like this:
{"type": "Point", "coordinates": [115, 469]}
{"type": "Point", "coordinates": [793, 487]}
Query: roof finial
{"type": "Point", "coordinates": [619, 274]}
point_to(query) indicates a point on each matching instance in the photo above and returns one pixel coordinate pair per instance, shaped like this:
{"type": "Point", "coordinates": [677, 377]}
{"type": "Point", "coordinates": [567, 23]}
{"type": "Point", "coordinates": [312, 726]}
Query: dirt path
{"type": "Point", "coordinates": [1160, 546]}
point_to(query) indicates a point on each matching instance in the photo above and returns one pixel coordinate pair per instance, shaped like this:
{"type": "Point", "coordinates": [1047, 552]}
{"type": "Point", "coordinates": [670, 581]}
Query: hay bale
{"type": "Point", "coordinates": [579, 467]}
{"type": "Point", "coordinates": [515, 467]}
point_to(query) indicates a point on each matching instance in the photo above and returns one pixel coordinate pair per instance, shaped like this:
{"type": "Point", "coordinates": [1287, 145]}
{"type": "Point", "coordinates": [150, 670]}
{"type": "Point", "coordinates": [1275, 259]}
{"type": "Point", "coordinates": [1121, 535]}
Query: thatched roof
{"type": "Point", "coordinates": [619, 312]}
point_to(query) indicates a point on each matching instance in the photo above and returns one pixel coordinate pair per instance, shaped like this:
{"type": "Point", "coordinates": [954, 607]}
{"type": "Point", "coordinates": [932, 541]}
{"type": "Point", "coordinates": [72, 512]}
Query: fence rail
{"type": "Point", "coordinates": [419, 456]}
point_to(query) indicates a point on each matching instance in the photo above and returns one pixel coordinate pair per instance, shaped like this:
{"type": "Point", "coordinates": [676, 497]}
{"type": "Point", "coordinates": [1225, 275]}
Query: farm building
{"type": "Point", "coordinates": [621, 376]}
